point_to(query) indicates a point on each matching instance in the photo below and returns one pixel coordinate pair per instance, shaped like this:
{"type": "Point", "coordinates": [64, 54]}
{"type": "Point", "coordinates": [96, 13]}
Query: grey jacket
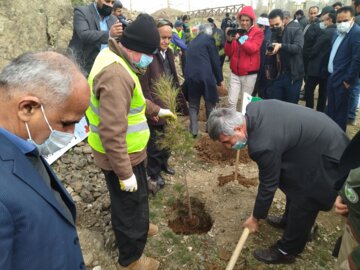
{"type": "Point", "coordinates": [87, 36]}
{"type": "Point", "coordinates": [297, 150]}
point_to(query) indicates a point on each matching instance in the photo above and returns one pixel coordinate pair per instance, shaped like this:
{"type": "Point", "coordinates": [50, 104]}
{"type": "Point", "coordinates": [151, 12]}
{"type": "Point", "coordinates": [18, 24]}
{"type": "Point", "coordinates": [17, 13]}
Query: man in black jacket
{"type": "Point", "coordinates": [300, 17]}
{"type": "Point", "coordinates": [317, 73]}
{"type": "Point", "coordinates": [93, 25]}
{"type": "Point", "coordinates": [311, 32]}
{"type": "Point", "coordinates": [356, 4]}
{"type": "Point", "coordinates": [287, 42]}
{"type": "Point", "coordinates": [297, 150]}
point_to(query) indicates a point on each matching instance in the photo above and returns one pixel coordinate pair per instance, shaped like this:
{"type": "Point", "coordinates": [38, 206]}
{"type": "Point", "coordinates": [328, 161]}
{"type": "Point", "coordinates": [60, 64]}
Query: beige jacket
{"type": "Point", "coordinates": [114, 88]}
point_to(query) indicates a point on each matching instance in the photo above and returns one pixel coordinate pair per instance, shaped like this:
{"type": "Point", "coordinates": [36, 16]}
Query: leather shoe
{"type": "Point", "coordinates": [144, 263]}
{"type": "Point", "coordinates": [168, 170]}
{"type": "Point", "coordinates": [153, 229]}
{"type": "Point", "coordinates": [160, 181]}
{"type": "Point", "coordinates": [153, 186]}
{"type": "Point", "coordinates": [273, 255]}
{"type": "Point", "coordinates": [276, 221]}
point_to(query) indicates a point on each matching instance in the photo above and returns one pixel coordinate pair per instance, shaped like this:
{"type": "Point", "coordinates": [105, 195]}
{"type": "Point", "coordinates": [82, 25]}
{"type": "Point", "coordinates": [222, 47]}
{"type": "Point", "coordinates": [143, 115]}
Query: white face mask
{"type": "Point", "coordinates": [343, 27]}
{"type": "Point", "coordinates": [322, 25]}
{"type": "Point", "coordinates": [54, 142]}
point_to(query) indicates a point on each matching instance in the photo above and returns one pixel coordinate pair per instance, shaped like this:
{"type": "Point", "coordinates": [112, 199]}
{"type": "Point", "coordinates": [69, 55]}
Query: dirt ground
{"type": "Point", "coordinates": [225, 203]}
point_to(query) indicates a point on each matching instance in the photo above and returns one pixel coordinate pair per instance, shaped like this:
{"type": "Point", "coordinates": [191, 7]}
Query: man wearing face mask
{"type": "Point", "coordinates": [119, 134]}
{"type": "Point", "coordinates": [317, 73]}
{"type": "Point", "coordinates": [286, 47]}
{"type": "Point", "coordinates": [297, 150]}
{"type": "Point", "coordinates": [42, 96]}
{"type": "Point", "coordinates": [343, 66]}
{"type": "Point", "coordinates": [93, 26]}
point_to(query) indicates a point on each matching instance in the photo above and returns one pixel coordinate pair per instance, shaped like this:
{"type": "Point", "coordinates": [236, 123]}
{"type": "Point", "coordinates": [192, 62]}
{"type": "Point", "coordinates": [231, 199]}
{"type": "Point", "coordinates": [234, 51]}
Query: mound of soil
{"type": "Point", "coordinates": [199, 223]}
{"type": "Point", "coordinates": [167, 13]}
{"type": "Point", "coordinates": [211, 151]}
{"type": "Point", "coordinates": [246, 182]}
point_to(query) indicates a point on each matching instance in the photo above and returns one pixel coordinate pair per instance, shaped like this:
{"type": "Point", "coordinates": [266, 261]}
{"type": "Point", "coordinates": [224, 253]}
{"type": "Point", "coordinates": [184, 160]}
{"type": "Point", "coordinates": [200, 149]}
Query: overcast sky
{"type": "Point", "coordinates": [150, 6]}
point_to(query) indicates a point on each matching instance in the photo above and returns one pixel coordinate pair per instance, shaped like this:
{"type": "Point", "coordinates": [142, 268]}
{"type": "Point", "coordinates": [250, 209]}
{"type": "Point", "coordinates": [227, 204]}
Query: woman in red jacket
{"type": "Point", "coordinates": [244, 51]}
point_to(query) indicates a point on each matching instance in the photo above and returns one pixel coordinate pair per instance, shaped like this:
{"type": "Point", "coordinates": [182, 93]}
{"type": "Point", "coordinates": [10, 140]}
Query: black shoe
{"type": "Point", "coordinates": [277, 222]}
{"type": "Point", "coordinates": [273, 255]}
{"type": "Point", "coordinates": [168, 170]}
{"type": "Point", "coordinates": [153, 186]}
{"type": "Point", "coordinates": [159, 180]}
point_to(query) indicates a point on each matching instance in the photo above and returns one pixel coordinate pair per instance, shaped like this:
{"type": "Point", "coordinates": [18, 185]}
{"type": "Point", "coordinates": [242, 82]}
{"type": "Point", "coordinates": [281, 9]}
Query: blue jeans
{"type": "Point", "coordinates": [283, 88]}
{"type": "Point", "coordinates": [354, 100]}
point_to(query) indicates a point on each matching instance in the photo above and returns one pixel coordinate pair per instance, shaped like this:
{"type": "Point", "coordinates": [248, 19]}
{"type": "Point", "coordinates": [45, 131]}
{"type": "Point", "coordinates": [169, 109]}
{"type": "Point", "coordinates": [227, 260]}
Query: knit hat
{"type": "Point", "coordinates": [141, 35]}
{"type": "Point", "coordinates": [178, 23]}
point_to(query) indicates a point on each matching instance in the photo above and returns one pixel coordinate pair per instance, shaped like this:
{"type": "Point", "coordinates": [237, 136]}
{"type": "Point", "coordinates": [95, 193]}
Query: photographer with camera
{"type": "Point", "coordinates": [243, 47]}
{"type": "Point", "coordinates": [285, 76]}
{"type": "Point", "coordinates": [117, 12]}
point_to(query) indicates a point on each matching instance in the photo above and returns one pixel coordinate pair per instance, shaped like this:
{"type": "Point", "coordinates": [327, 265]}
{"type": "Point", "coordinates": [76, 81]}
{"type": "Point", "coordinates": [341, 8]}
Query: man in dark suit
{"type": "Point", "coordinates": [202, 74]}
{"type": "Point", "coordinates": [297, 150]}
{"type": "Point", "coordinates": [93, 25]}
{"type": "Point", "coordinates": [42, 96]}
{"type": "Point", "coordinates": [162, 65]}
{"type": "Point", "coordinates": [344, 65]}
{"type": "Point", "coordinates": [317, 73]}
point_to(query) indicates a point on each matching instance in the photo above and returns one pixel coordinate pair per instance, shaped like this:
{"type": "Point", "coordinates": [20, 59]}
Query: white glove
{"type": "Point", "coordinates": [129, 185]}
{"type": "Point", "coordinates": [166, 113]}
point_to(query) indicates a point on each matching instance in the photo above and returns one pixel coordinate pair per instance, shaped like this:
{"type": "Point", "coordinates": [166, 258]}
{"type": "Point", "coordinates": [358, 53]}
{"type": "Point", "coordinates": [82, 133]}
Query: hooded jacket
{"type": "Point", "coordinates": [245, 58]}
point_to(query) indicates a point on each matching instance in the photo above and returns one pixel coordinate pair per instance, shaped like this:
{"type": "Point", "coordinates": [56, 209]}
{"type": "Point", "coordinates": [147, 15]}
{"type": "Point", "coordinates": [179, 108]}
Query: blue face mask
{"type": "Point", "coordinates": [144, 62]}
{"type": "Point", "coordinates": [239, 145]}
{"type": "Point", "coordinates": [56, 141]}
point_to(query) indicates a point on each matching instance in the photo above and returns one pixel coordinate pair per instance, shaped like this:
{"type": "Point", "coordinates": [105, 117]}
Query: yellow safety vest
{"type": "Point", "coordinates": [137, 134]}
{"type": "Point", "coordinates": [172, 46]}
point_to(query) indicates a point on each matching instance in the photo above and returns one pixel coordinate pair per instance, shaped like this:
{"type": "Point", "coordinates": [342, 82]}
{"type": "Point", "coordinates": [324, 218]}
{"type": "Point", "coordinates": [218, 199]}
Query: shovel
{"type": "Point", "coordinates": [238, 249]}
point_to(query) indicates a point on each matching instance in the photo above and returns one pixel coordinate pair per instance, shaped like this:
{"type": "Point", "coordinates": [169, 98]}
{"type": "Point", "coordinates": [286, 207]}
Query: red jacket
{"type": "Point", "coordinates": [245, 58]}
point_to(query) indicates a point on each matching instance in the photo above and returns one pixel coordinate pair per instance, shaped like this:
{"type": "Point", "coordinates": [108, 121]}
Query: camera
{"type": "Point", "coordinates": [124, 22]}
{"type": "Point", "coordinates": [270, 47]}
{"type": "Point", "coordinates": [233, 31]}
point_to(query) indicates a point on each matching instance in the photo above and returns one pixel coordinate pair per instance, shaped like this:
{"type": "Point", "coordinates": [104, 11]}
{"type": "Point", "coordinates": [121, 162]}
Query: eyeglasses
{"type": "Point", "coordinates": [163, 22]}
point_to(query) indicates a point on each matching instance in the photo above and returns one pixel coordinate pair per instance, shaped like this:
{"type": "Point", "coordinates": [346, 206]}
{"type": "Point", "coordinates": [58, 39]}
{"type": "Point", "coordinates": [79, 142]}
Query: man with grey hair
{"type": "Point", "coordinates": [42, 96]}
{"type": "Point", "coordinates": [289, 21]}
{"type": "Point", "coordinates": [297, 150]}
{"type": "Point", "coordinates": [202, 74]}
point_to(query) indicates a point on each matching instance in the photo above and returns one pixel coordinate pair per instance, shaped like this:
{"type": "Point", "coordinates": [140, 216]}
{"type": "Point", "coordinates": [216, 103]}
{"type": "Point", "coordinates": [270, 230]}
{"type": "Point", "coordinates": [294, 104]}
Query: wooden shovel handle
{"type": "Point", "coordinates": [238, 249]}
{"type": "Point", "coordinates": [237, 164]}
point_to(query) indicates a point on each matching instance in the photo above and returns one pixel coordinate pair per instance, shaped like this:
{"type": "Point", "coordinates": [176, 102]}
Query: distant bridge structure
{"type": "Point", "coordinates": [218, 11]}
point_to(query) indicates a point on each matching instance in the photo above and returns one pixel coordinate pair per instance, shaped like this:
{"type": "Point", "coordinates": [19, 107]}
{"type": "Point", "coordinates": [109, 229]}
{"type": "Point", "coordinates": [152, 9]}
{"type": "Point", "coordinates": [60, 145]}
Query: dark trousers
{"type": "Point", "coordinates": [157, 158]}
{"type": "Point", "coordinates": [183, 62]}
{"type": "Point", "coordinates": [299, 221]}
{"type": "Point", "coordinates": [283, 88]}
{"type": "Point", "coordinates": [338, 103]}
{"type": "Point", "coordinates": [354, 100]}
{"type": "Point", "coordinates": [194, 106]}
{"type": "Point", "coordinates": [310, 85]}
{"type": "Point", "coordinates": [129, 215]}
